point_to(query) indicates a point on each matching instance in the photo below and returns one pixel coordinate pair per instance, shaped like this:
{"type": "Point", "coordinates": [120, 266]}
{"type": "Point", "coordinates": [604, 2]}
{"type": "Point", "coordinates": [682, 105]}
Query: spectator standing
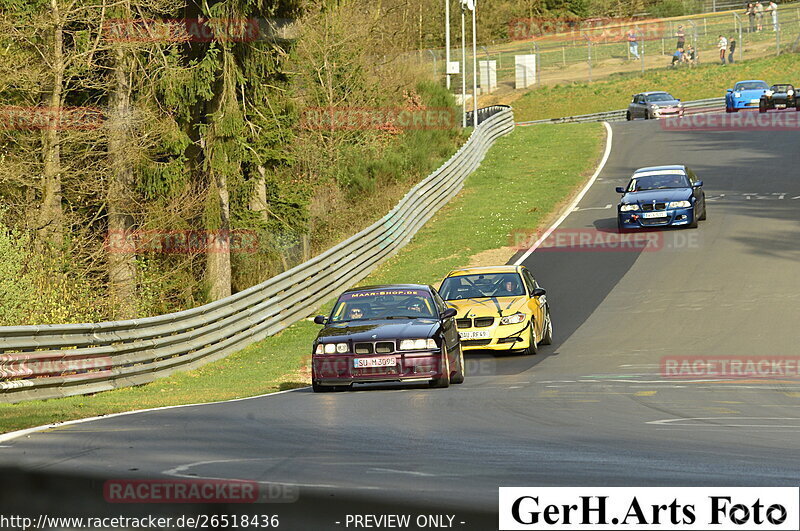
{"type": "Point", "coordinates": [751, 14]}
{"type": "Point", "coordinates": [633, 45]}
{"type": "Point", "coordinates": [759, 16]}
{"type": "Point", "coordinates": [681, 37]}
{"type": "Point", "coordinates": [773, 10]}
{"type": "Point", "coordinates": [731, 49]}
{"type": "Point", "coordinates": [722, 45]}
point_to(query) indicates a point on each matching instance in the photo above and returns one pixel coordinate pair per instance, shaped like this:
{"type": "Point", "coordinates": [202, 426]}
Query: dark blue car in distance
{"type": "Point", "coordinates": [661, 196]}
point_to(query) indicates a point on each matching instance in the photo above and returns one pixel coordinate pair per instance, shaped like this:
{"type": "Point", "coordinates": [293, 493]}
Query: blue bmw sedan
{"type": "Point", "coordinates": [661, 196]}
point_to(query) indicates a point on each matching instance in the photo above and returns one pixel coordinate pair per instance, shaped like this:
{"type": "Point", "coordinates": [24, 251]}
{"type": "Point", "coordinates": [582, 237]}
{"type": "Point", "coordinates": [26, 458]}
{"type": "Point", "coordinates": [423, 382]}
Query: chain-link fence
{"type": "Point", "coordinates": [586, 52]}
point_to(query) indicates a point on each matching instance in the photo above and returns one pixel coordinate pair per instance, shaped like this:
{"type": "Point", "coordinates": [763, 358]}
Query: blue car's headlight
{"type": "Point", "coordinates": [628, 208]}
{"type": "Point", "coordinates": [679, 204]}
{"type": "Point", "coordinates": [737, 94]}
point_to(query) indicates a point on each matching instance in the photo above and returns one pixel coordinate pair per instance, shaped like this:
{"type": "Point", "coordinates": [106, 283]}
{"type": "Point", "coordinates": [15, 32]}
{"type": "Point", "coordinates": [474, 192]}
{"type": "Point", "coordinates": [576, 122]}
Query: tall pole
{"type": "Point", "coordinates": [463, 70]}
{"type": "Point", "coordinates": [447, 42]}
{"type": "Point", "coordinates": [474, 69]}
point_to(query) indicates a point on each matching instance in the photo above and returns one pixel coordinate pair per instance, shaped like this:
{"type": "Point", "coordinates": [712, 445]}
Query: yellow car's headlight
{"type": "Point", "coordinates": [513, 319]}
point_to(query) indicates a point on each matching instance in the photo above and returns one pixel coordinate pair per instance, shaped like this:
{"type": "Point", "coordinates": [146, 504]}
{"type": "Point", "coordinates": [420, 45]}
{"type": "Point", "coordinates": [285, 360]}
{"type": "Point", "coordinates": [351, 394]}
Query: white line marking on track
{"type": "Point", "coordinates": [728, 422]}
{"type": "Point", "coordinates": [568, 210]}
{"type": "Point", "coordinates": [410, 472]}
{"type": "Point", "coordinates": [5, 437]}
{"type": "Point", "coordinates": [178, 472]}
{"type": "Point", "coordinates": [578, 209]}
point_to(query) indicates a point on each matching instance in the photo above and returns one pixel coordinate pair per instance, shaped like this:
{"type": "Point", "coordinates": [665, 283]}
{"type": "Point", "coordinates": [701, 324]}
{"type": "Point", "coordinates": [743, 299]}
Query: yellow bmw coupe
{"type": "Point", "coordinates": [499, 308]}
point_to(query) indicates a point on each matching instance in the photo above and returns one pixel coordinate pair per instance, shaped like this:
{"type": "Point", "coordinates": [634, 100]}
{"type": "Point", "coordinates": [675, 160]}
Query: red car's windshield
{"type": "Point", "coordinates": [383, 304]}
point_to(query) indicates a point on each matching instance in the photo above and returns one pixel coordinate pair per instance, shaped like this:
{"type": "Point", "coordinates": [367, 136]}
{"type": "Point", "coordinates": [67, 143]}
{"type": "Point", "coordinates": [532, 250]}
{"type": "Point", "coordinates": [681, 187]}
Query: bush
{"type": "Point", "coordinates": [37, 286]}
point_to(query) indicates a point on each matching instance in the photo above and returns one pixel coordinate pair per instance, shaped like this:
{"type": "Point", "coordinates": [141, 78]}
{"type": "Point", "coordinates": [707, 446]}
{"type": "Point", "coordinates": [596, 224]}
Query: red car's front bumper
{"type": "Point", "coordinates": [340, 369]}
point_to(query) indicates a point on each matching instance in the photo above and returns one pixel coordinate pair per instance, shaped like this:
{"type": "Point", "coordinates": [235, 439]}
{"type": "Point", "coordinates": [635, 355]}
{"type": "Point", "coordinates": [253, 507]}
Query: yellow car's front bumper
{"type": "Point", "coordinates": [501, 337]}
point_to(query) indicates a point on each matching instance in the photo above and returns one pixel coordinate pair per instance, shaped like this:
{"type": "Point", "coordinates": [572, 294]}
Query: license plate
{"type": "Point", "coordinates": [476, 334]}
{"type": "Point", "coordinates": [754, 101]}
{"type": "Point", "coordinates": [649, 215]}
{"type": "Point", "coordinates": [780, 106]}
{"type": "Point", "coordinates": [360, 363]}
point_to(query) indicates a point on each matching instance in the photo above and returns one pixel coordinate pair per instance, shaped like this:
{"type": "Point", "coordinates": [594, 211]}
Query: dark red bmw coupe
{"type": "Point", "coordinates": [396, 333]}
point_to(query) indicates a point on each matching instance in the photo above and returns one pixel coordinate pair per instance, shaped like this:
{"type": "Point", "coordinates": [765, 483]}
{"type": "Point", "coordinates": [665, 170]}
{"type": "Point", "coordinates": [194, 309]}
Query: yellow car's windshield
{"type": "Point", "coordinates": [482, 285]}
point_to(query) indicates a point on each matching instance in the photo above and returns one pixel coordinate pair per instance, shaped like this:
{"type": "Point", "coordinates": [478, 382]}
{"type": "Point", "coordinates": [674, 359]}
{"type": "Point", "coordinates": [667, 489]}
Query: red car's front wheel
{"type": "Point", "coordinates": [444, 378]}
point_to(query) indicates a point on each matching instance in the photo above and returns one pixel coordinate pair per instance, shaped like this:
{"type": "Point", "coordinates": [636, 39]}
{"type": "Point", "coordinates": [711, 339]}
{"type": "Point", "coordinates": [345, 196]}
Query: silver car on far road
{"type": "Point", "coordinates": [652, 105]}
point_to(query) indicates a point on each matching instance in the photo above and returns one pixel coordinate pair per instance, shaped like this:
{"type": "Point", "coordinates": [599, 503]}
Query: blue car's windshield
{"type": "Point", "coordinates": [386, 303]}
{"type": "Point", "coordinates": [482, 285]}
{"type": "Point", "coordinates": [658, 182]}
{"type": "Point", "coordinates": [751, 85]}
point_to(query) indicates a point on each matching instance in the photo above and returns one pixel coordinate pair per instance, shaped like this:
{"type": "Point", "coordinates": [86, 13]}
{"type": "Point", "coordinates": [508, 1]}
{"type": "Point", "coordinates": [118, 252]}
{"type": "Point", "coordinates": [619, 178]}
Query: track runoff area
{"type": "Point", "coordinates": [638, 390]}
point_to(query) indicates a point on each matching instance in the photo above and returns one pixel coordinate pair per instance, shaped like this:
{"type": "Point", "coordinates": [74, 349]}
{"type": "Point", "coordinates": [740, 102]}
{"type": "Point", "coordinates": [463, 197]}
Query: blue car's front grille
{"type": "Point", "coordinates": [655, 221]}
{"type": "Point", "coordinates": [651, 206]}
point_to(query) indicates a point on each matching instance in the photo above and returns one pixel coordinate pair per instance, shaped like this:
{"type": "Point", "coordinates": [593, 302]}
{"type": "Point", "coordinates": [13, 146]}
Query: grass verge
{"type": "Point", "coordinates": [700, 82]}
{"type": "Point", "coordinates": [524, 177]}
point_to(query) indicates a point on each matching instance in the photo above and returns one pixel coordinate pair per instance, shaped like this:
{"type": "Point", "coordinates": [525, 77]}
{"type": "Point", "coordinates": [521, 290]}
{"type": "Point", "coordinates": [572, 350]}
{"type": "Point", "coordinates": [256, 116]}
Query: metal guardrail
{"type": "Point", "coordinates": [619, 115]}
{"type": "Point", "coordinates": [48, 361]}
{"type": "Point", "coordinates": [484, 113]}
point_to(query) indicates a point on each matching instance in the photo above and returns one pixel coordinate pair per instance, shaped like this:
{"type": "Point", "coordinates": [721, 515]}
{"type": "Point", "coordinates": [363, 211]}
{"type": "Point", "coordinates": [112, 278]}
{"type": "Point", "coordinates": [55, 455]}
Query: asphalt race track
{"type": "Point", "coordinates": [592, 409]}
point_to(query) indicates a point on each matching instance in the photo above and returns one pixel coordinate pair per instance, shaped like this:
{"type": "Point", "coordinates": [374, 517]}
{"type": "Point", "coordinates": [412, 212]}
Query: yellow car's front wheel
{"type": "Point", "coordinates": [547, 337]}
{"type": "Point", "coordinates": [533, 348]}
